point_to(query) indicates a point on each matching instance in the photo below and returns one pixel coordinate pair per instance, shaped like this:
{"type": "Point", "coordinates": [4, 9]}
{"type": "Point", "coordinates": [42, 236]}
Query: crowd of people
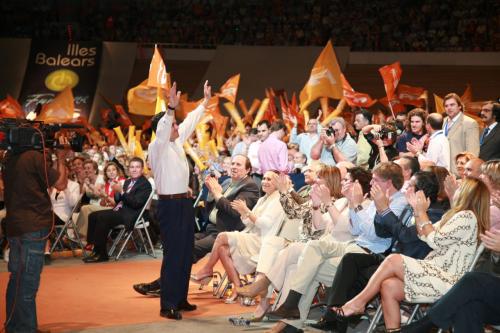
{"type": "Point", "coordinates": [395, 209]}
{"type": "Point", "coordinates": [380, 25]}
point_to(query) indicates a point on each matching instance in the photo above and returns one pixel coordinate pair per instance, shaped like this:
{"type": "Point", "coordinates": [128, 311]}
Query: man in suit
{"type": "Point", "coordinates": [490, 137]}
{"type": "Point", "coordinates": [130, 199]}
{"type": "Point", "coordinates": [462, 131]}
{"type": "Point", "coordinates": [221, 217]}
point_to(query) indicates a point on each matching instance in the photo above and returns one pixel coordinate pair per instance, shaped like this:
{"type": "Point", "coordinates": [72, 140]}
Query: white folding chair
{"type": "Point", "coordinates": [415, 309]}
{"type": "Point", "coordinates": [62, 230]}
{"type": "Point", "coordinates": [125, 234]}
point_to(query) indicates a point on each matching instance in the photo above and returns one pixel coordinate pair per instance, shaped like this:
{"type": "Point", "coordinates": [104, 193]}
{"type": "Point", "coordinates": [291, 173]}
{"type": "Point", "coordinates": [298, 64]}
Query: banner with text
{"type": "Point", "coordinates": [54, 65]}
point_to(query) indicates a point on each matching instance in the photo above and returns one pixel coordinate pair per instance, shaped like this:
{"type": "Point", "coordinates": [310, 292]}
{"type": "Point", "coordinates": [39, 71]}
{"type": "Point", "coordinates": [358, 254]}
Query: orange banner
{"type": "Point", "coordinates": [230, 89]}
{"type": "Point", "coordinates": [141, 99]}
{"type": "Point", "coordinates": [60, 109]}
{"type": "Point", "coordinates": [158, 76]}
{"type": "Point", "coordinates": [396, 104]}
{"type": "Point", "coordinates": [391, 74]}
{"type": "Point", "coordinates": [10, 108]}
{"type": "Point", "coordinates": [324, 80]}
{"type": "Point", "coordinates": [354, 98]}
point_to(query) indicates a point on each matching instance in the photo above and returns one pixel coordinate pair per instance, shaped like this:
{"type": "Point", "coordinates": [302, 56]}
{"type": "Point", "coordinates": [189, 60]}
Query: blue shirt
{"type": "Point", "coordinates": [363, 224]}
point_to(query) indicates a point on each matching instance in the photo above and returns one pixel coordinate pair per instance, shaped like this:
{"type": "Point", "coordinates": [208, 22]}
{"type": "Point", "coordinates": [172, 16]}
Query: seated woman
{"type": "Point", "coordinates": [280, 255]}
{"type": "Point", "coordinates": [105, 194]}
{"type": "Point", "coordinates": [238, 251]}
{"type": "Point", "coordinates": [454, 240]}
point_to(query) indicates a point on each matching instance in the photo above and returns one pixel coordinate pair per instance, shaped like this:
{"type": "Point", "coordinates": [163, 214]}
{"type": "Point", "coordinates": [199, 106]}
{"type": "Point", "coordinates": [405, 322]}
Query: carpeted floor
{"type": "Point", "coordinates": [74, 296]}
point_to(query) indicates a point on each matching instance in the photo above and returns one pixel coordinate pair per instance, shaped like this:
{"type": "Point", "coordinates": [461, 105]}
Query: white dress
{"type": "Point", "coordinates": [245, 245]}
{"type": "Point", "coordinates": [454, 245]}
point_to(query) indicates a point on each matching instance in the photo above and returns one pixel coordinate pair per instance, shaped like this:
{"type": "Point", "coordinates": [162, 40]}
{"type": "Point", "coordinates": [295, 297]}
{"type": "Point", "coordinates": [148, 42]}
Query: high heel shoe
{"type": "Point", "coordinates": [202, 280]}
{"type": "Point", "coordinates": [255, 288]}
{"type": "Point", "coordinates": [343, 321]}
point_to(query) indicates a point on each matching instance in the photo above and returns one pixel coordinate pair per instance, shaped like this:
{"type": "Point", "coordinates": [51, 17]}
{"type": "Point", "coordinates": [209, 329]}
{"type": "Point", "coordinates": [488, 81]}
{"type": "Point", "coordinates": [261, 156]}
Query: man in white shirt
{"type": "Point", "coordinates": [175, 208]}
{"type": "Point", "coordinates": [438, 150]}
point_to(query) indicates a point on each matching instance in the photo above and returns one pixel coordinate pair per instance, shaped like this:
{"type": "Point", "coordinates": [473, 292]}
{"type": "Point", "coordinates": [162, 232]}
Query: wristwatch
{"type": "Point", "coordinates": [423, 224]}
{"type": "Point", "coordinates": [358, 208]}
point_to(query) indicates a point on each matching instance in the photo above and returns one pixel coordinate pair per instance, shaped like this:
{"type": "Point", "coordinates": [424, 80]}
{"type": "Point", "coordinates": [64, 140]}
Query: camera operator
{"type": "Point", "coordinates": [338, 141]}
{"type": "Point", "coordinates": [382, 139]}
{"type": "Point", "coordinates": [27, 178]}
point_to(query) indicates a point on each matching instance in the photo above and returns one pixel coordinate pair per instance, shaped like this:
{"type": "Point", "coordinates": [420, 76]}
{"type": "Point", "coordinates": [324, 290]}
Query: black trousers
{"type": "Point", "coordinates": [203, 243]}
{"type": "Point", "coordinates": [100, 223]}
{"type": "Point", "coordinates": [177, 237]}
{"type": "Point", "coordinates": [353, 273]}
{"type": "Point", "coordinates": [473, 302]}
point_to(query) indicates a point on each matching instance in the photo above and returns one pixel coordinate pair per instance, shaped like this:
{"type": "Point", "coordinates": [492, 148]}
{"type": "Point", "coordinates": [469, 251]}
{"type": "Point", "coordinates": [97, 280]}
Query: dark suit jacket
{"type": "Point", "coordinates": [391, 226]}
{"type": "Point", "coordinates": [134, 200]}
{"type": "Point", "coordinates": [229, 219]}
{"type": "Point", "coordinates": [490, 149]}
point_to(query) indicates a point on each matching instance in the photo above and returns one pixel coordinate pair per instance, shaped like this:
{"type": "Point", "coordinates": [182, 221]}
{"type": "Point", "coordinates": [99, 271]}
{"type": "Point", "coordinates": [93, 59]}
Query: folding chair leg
{"type": "Point", "coordinates": [375, 320]}
{"type": "Point", "coordinates": [125, 242]}
{"type": "Point", "coordinates": [413, 313]}
{"type": "Point", "coordinates": [115, 242]}
{"type": "Point", "coordinates": [150, 242]}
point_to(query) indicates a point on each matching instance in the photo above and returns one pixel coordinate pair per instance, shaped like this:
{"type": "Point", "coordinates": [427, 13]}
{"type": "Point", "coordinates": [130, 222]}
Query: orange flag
{"type": "Point", "coordinates": [391, 74]}
{"type": "Point", "coordinates": [324, 80]}
{"type": "Point", "coordinates": [439, 104]}
{"type": "Point", "coordinates": [60, 109]}
{"type": "Point", "coordinates": [354, 98]}
{"type": "Point", "coordinates": [10, 108]}
{"type": "Point", "coordinates": [158, 76]}
{"type": "Point", "coordinates": [409, 95]}
{"type": "Point", "coordinates": [230, 88]}
{"type": "Point", "coordinates": [141, 99]}
{"type": "Point", "coordinates": [467, 95]}
{"type": "Point", "coordinates": [123, 119]}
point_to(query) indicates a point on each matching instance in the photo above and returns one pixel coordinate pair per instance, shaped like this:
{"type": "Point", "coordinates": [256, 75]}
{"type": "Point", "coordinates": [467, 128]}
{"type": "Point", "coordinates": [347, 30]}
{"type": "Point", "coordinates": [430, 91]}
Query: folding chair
{"type": "Point", "coordinates": [62, 230]}
{"type": "Point", "coordinates": [125, 234]}
{"type": "Point", "coordinates": [415, 309]}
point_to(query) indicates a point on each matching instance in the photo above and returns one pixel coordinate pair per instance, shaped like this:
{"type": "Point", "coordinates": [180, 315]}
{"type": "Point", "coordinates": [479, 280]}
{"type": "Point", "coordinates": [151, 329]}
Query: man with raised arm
{"type": "Point", "coordinates": [175, 207]}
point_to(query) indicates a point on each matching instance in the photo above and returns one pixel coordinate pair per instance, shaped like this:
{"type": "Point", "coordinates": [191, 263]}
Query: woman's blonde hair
{"type": "Point", "coordinates": [331, 175]}
{"type": "Point", "coordinates": [491, 169]}
{"type": "Point", "coordinates": [471, 195]}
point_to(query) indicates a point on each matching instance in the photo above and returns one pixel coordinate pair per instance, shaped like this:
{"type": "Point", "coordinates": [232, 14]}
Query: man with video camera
{"type": "Point", "coordinates": [27, 177]}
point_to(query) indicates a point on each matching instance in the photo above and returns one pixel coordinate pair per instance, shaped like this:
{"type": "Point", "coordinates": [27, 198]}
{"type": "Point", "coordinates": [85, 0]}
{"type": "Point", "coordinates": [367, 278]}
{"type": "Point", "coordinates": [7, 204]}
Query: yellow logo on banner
{"type": "Point", "coordinates": [60, 79]}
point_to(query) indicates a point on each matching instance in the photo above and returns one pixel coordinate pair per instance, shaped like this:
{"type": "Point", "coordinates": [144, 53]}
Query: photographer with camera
{"type": "Point", "coordinates": [381, 138]}
{"type": "Point", "coordinates": [29, 221]}
{"type": "Point", "coordinates": [336, 139]}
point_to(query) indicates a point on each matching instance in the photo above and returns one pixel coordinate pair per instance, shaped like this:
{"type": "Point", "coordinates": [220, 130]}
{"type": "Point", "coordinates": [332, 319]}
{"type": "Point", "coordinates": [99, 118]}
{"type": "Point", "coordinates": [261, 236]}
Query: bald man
{"type": "Point", "coordinates": [473, 168]}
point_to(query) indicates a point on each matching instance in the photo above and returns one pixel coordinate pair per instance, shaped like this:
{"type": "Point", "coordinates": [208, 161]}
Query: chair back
{"type": "Point", "coordinates": [477, 255]}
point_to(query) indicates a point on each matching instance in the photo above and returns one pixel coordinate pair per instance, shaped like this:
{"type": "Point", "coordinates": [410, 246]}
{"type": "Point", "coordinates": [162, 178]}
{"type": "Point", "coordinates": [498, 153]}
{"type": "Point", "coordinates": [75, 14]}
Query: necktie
{"type": "Point", "coordinates": [485, 133]}
{"type": "Point", "coordinates": [446, 128]}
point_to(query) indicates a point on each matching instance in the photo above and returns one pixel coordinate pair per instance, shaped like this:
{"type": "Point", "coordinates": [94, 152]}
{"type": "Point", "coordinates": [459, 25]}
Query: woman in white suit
{"type": "Point", "coordinates": [239, 251]}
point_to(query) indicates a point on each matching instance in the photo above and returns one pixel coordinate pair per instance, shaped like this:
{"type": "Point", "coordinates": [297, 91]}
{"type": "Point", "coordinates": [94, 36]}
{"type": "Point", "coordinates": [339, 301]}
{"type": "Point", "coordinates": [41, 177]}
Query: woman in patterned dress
{"type": "Point", "coordinates": [454, 241]}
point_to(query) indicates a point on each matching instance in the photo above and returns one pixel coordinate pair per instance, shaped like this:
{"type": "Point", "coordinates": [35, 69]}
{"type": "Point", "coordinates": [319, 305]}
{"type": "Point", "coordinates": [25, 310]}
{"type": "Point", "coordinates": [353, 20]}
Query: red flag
{"type": "Point", "coordinates": [396, 104]}
{"type": "Point", "coordinates": [10, 108]}
{"type": "Point", "coordinates": [271, 113]}
{"type": "Point", "coordinates": [354, 98]}
{"type": "Point", "coordinates": [123, 118]}
{"type": "Point", "coordinates": [391, 74]}
{"type": "Point", "coordinates": [409, 95]}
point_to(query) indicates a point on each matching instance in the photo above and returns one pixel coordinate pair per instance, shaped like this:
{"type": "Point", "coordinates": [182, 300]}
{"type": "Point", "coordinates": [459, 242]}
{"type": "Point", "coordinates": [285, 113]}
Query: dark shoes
{"type": "Point", "coordinates": [171, 314]}
{"type": "Point", "coordinates": [47, 260]}
{"type": "Point", "coordinates": [281, 312]}
{"type": "Point", "coordinates": [147, 289]}
{"type": "Point", "coordinates": [325, 324]}
{"type": "Point", "coordinates": [94, 257]}
{"type": "Point", "coordinates": [186, 306]}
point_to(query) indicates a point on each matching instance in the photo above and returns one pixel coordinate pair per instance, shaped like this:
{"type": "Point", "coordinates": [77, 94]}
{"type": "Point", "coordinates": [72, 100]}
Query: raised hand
{"type": "Point", "coordinates": [213, 186]}
{"type": "Point", "coordinates": [491, 239]}
{"type": "Point", "coordinates": [450, 186]}
{"type": "Point", "coordinates": [207, 93]}
{"type": "Point", "coordinates": [380, 198]}
{"type": "Point", "coordinates": [174, 96]}
{"type": "Point", "coordinates": [324, 193]}
{"type": "Point", "coordinates": [240, 206]}
{"type": "Point", "coordinates": [418, 201]}
{"type": "Point", "coordinates": [283, 183]}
